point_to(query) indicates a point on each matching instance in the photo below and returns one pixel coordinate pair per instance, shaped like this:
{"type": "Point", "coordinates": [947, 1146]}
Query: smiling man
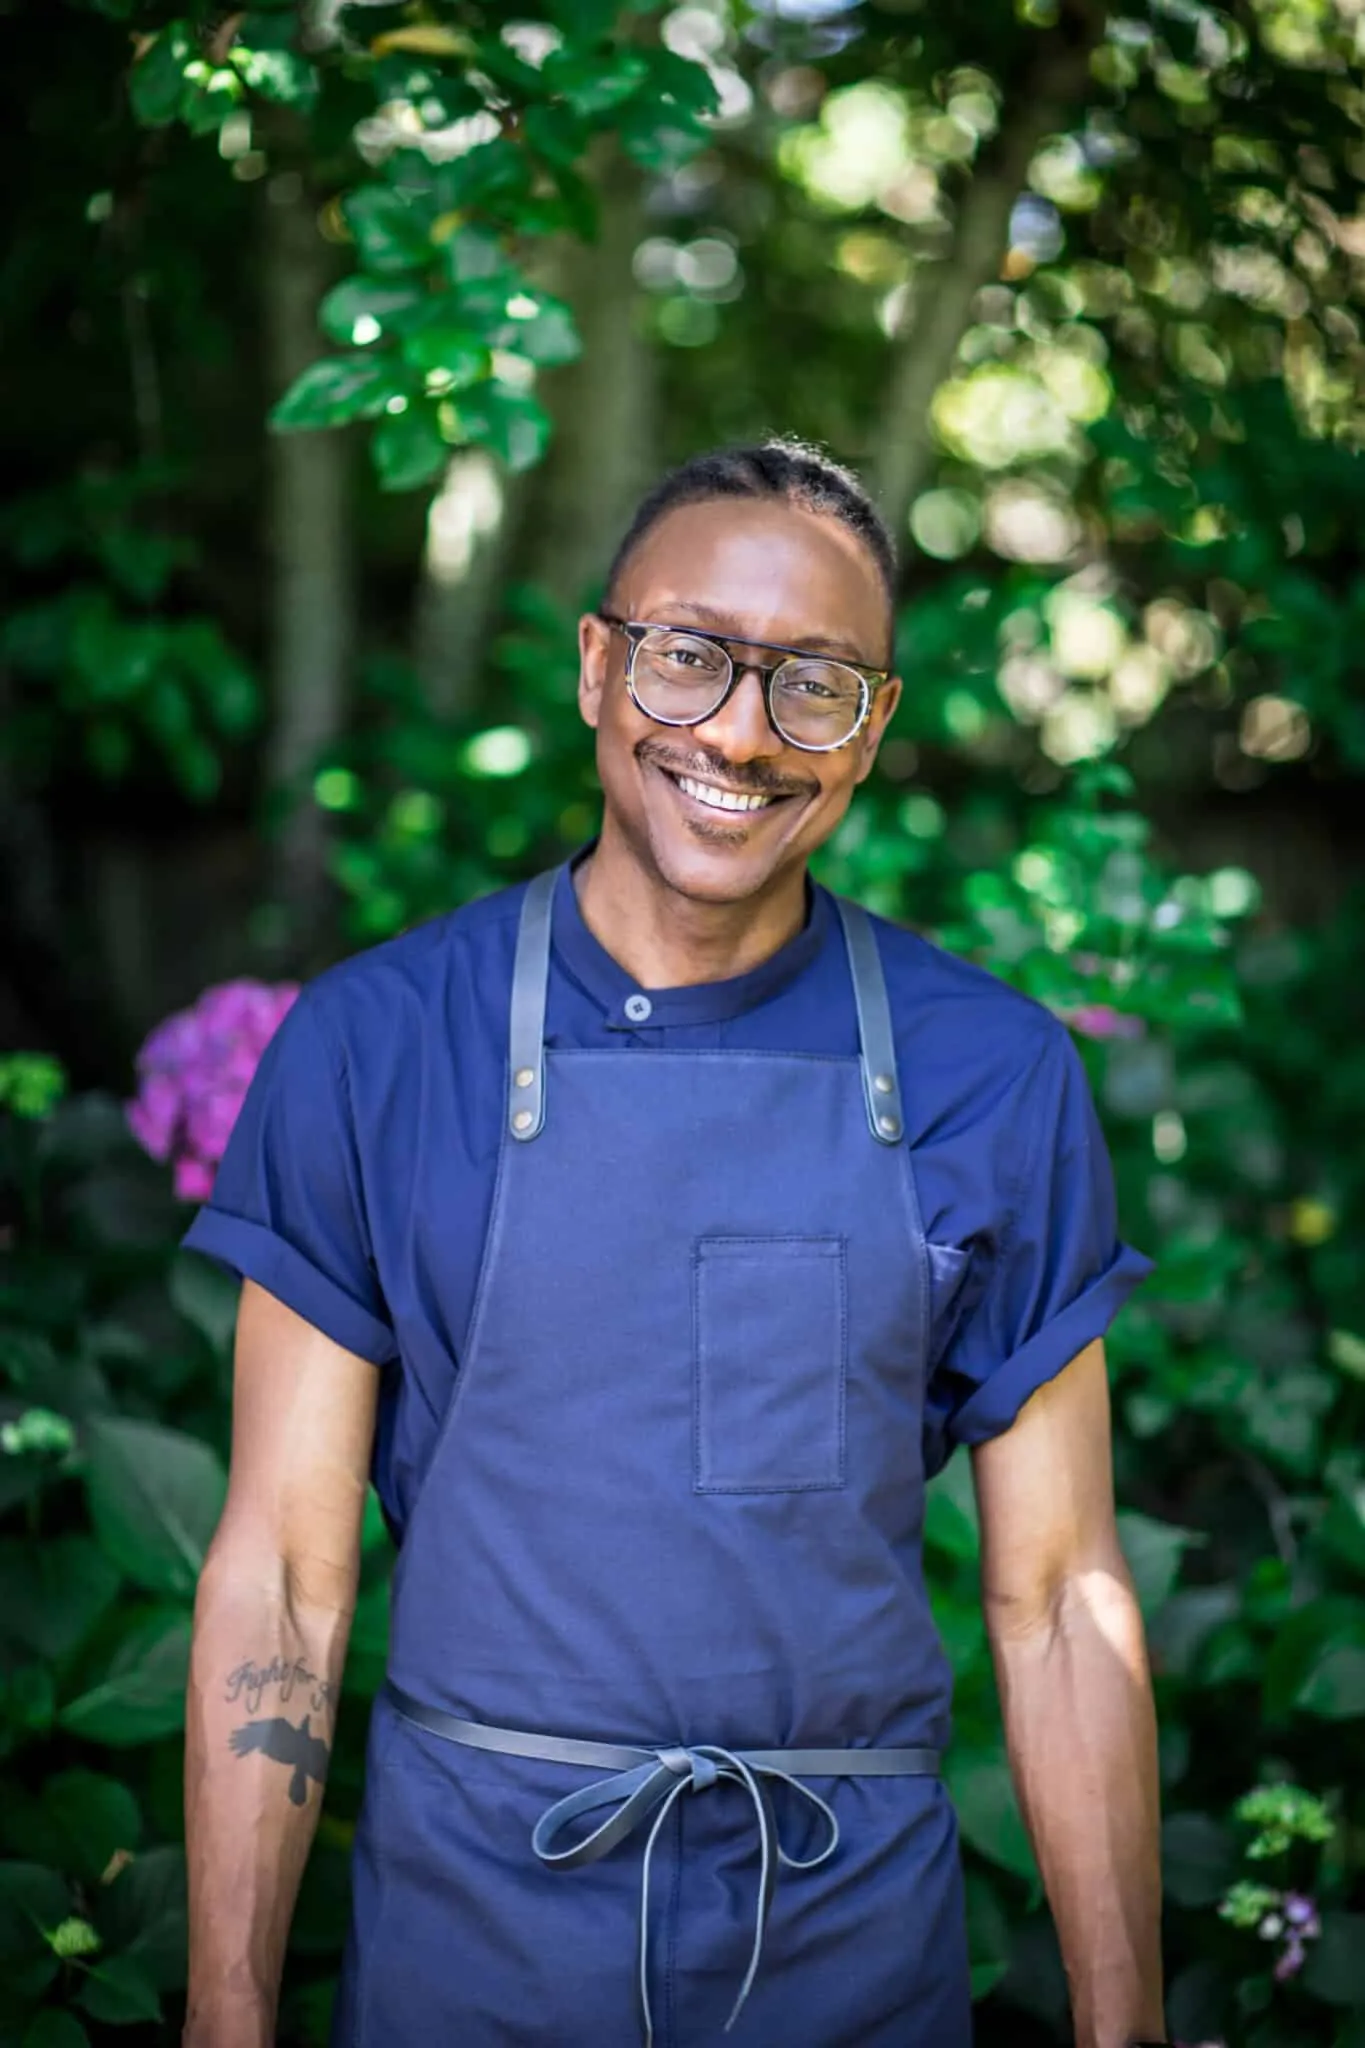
{"type": "Point", "coordinates": [651, 1234]}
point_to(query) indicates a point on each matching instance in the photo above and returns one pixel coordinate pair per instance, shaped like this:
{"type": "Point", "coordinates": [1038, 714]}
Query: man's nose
{"type": "Point", "coordinates": [740, 729]}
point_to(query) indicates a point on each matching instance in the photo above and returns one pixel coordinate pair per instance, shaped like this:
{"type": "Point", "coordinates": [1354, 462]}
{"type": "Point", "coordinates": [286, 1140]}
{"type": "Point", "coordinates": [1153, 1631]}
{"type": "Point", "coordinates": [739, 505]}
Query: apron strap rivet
{"type": "Point", "coordinates": [522, 1120]}
{"type": "Point", "coordinates": [525, 1076]}
{"type": "Point", "coordinates": [883, 1083]}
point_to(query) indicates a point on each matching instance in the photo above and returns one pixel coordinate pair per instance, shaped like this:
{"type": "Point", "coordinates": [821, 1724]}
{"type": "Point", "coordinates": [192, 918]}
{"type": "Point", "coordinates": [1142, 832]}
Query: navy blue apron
{"type": "Point", "coordinates": [656, 1754]}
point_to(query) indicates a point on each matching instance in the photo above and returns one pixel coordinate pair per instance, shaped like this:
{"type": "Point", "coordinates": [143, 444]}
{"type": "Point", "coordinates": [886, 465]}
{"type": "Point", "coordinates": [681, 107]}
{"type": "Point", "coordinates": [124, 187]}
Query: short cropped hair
{"type": "Point", "coordinates": [781, 469]}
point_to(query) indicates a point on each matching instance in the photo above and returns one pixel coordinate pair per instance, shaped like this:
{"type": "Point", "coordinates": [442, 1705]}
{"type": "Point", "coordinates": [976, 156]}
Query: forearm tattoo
{"type": "Point", "coordinates": [305, 1754]}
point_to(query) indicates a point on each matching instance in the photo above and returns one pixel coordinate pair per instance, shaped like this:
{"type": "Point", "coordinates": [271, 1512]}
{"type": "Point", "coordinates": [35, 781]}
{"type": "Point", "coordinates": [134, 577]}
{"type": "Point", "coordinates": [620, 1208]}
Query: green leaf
{"type": "Point", "coordinates": [141, 1694]}
{"type": "Point", "coordinates": [156, 83]}
{"type": "Point", "coordinates": [207, 1298]}
{"type": "Point", "coordinates": [549, 337]}
{"type": "Point", "coordinates": [53, 1592]}
{"type": "Point", "coordinates": [143, 1914]}
{"type": "Point", "coordinates": [1335, 1970]}
{"type": "Point", "coordinates": [280, 75]}
{"type": "Point", "coordinates": [1334, 1686]}
{"type": "Point", "coordinates": [1153, 1550]}
{"type": "Point", "coordinates": [408, 448]}
{"type": "Point", "coordinates": [382, 300]}
{"type": "Point", "coordinates": [390, 233]}
{"type": "Point", "coordinates": [594, 82]}
{"type": "Point", "coordinates": [511, 423]}
{"type": "Point", "coordinates": [987, 1810]}
{"type": "Point", "coordinates": [1303, 1645]}
{"type": "Point", "coordinates": [1200, 1858]}
{"type": "Point", "coordinates": [988, 1933]}
{"type": "Point", "coordinates": [77, 1824]}
{"type": "Point", "coordinates": [56, 2029]}
{"type": "Point", "coordinates": [155, 1496]}
{"type": "Point", "coordinates": [950, 1519]}
{"type": "Point", "coordinates": [32, 1899]}
{"type": "Point", "coordinates": [449, 348]}
{"type": "Point", "coordinates": [120, 1993]}
{"type": "Point", "coordinates": [338, 389]}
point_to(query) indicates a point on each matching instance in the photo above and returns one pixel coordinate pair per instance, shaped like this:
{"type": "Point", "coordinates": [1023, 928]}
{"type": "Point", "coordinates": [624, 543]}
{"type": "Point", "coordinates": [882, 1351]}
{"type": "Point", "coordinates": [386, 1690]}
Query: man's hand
{"type": "Point", "coordinates": [1071, 1664]}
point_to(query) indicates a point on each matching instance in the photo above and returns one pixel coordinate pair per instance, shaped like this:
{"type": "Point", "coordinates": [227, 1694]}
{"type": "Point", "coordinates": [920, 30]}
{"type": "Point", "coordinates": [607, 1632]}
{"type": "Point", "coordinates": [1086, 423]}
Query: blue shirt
{"type": "Point", "coordinates": [358, 1180]}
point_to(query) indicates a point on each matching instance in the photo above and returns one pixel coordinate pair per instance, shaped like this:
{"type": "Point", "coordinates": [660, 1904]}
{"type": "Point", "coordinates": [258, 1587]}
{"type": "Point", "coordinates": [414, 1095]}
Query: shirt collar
{"type": "Point", "coordinates": [624, 1001]}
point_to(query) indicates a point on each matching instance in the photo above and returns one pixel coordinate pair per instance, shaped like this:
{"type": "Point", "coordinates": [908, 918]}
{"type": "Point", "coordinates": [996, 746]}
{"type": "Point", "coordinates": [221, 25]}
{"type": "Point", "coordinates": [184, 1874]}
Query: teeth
{"type": "Point", "coordinates": [721, 799]}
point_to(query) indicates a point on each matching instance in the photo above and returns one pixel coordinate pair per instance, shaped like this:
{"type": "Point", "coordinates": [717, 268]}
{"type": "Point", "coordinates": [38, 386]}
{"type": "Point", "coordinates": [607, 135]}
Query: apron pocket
{"type": "Point", "coordinates": [770, 1364]}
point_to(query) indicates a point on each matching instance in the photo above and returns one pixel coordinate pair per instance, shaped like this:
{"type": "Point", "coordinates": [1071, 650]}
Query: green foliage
{"type": "Point", "coordinates": [449, 328]}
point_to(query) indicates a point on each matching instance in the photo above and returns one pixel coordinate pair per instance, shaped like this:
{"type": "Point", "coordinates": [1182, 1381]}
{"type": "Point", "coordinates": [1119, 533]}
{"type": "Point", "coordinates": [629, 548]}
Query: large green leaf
{"type": "Point", "coordinates": [52, 1592]}
{"type": "Point", "coordinates": [408, 447]}
{"type": "Point", "coordinates": [1153, 1550]}
{"type": "Point", "coordinates": [155, 1497]}
{"type": "Point", "coordinates": [363, 299]}
{"type": "Point", "coordinates": [143, 1914]}
{"type": "Point", "coordinates": [509, 422]}
{"type": "Point", "coordinates": [1200, 1858]}
{"type": "Point", "coordinates": [339, 389]}
{"type": "Point", "coordinates": [56, 2029]}
{"type": "Point", "coordinates": [77, 1824]}
{"type": "Point", "coordinates": [140, 1695]}
{"type": "Point", "coordinates": [1335, 1970]}
{"type": "Point", "coordinates": [207, 1297]}
{"type": "Point", "coordinates": [33, 1901]}
{"type": "Point", "coordinates": [987, 1810]}
{"type": "Point", "coordinates": [120, 1993]}
{"type": "Point", "coordinates": [390, 231]}
{"type": "Point", "coordinates": [1306, 1642]}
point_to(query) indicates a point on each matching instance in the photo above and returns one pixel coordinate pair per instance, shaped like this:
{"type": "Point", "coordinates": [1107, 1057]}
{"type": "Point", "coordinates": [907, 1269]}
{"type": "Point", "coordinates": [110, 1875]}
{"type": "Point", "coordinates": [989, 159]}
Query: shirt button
{"type": "Point", "coordinates": [638, 1008]}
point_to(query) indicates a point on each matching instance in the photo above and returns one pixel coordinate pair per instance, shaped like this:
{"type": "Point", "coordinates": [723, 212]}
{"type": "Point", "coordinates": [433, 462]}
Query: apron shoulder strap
{"type": "Point", "coordinates": [526, 1031]}
{"type": "Point", "coordinates": [881, 1082]}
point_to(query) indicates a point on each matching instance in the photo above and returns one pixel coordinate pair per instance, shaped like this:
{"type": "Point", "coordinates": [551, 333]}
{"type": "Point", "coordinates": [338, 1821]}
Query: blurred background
{"type": "Point", "coordinates": [338, 345]}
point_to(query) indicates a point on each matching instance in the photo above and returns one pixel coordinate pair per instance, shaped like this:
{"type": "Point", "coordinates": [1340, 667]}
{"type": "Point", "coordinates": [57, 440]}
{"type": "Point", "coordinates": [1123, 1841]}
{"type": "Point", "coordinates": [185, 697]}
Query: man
{"type": "Point", "coordinates": [651, 1234]}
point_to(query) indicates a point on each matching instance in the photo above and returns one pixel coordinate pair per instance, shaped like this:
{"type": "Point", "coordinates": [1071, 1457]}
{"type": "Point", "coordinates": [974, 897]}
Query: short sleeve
{"type": "Point", "coordinates": [1060, 1272]}
{"type": "Point", "coordinates": [287, 1207]}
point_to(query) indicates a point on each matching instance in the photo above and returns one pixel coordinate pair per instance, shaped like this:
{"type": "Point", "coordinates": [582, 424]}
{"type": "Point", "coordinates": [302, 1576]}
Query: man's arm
{"type": "Point", "coordinates": [1071, 1664]}
{"type": "Point", "coordinates": [271, 1622]}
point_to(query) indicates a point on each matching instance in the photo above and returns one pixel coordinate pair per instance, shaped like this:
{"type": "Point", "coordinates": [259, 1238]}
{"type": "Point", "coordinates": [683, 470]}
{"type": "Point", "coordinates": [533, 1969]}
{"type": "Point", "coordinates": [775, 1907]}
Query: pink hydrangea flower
{"type": "Point", "coordinates": [193, 1073]}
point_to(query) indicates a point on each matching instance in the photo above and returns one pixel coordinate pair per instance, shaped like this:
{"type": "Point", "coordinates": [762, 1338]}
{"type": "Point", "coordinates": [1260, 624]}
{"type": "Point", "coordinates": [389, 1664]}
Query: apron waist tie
{"type": "Point", "coordinates": [644, 1780]}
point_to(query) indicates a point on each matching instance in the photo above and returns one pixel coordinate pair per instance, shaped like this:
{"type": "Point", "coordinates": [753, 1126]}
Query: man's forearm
{"type": "Point", "coordinates": [1081, 1732]}
{"type": "Point", "coordinates": [265, 1677]}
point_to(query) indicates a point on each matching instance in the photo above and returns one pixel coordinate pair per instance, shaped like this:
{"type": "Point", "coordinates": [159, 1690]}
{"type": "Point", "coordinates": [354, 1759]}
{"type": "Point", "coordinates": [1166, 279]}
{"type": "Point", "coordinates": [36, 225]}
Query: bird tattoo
{"type": "Point", "coordinates": [283, 1743]}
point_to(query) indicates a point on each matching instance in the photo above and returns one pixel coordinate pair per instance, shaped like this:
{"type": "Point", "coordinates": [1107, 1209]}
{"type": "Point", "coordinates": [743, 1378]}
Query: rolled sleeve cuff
{"type": "Point", "coordinates": [258, 1254]}
{"type": "Point", "coordinates": [996, 1405]}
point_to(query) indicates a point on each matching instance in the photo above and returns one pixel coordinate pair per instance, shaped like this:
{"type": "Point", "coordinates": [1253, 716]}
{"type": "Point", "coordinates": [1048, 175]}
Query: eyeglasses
{"type": "Point", "coordinates": [684, 678]}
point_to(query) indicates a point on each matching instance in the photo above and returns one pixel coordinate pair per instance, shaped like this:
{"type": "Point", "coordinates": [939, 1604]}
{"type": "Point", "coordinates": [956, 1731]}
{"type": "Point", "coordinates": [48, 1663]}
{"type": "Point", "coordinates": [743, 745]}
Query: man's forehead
{"type": "Point", "coordinates": [759, 567]}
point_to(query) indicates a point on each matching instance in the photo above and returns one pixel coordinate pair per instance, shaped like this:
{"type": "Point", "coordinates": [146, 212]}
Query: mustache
{"type": "Point", "coordinates": [752, 779]}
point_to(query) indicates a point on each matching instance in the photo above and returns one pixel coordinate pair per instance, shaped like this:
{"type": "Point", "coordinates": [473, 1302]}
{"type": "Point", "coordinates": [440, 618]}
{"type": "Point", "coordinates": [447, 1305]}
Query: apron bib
{"type": "Point", "coordinates": [675, 1504]}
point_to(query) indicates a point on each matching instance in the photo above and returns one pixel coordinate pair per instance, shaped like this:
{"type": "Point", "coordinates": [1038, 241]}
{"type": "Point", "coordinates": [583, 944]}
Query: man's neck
{"type": "Point", "coordinates": [667, 940]}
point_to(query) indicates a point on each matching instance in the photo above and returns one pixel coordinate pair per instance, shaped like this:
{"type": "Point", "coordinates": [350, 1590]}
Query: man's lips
{"type": "Point", "coordinates": [722, 796]}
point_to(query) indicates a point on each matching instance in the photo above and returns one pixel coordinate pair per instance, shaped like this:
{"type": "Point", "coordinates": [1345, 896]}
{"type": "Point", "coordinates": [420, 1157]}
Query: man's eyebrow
{"type": "Point", "coordinates": [726, 624]}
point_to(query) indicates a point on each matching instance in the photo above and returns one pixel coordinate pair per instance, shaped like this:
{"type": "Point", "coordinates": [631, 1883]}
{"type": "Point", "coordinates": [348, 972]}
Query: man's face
{"type": "Point", "coordinates": [755, 571]}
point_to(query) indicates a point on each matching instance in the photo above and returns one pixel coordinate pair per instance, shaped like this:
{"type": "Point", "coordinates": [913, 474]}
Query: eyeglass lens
{"type": "Point", "coordinates": [679, 679]}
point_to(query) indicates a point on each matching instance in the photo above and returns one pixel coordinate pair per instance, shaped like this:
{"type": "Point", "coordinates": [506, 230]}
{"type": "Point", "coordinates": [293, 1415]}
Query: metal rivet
{"type": "Point", "coordinates": [889, 1126]}
{"type": "Point", "coordinates": [883, 1083]}
{"type": "Point", "coordinates": [523, 1120]}
{"type": "Point", "coordinates": [525, 1076]}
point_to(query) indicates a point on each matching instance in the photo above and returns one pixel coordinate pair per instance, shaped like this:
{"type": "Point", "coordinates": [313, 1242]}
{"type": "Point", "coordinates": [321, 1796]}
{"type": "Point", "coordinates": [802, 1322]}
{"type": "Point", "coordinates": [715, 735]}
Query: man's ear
{"type": "Point", "coordinates": [594, 654]}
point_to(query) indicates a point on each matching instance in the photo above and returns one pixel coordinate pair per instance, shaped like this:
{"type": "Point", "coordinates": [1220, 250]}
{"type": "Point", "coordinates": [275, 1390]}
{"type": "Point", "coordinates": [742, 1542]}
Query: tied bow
{"type": "Point", "coordinates": [636, 1794]}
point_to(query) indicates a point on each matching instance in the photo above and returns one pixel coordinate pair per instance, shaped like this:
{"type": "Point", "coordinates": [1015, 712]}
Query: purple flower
{"type": "Point", "coordinates": [194, 1070]}
{"type": "Point", "coordinates": [1290, 1960]}
{"type": "Point", "coordinates": [1301, 1913]}
{"type": "Point", "coordinates": [1102, 1020]}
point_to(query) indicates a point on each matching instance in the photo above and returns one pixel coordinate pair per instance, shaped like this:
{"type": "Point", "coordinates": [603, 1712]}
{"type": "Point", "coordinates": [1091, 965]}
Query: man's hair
{"type": "Point", "coordinates": [778, 469]}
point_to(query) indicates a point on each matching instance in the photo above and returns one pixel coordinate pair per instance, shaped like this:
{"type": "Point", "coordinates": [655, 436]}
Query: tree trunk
{"type": "Point", "coordinates": [472, 526]}
{"type": "Point", "coordinates": [603, 405]}
{"type": "Point", "coordinates": [944, 290]}
{"type": "Point", "coordinates": [312, 609]}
